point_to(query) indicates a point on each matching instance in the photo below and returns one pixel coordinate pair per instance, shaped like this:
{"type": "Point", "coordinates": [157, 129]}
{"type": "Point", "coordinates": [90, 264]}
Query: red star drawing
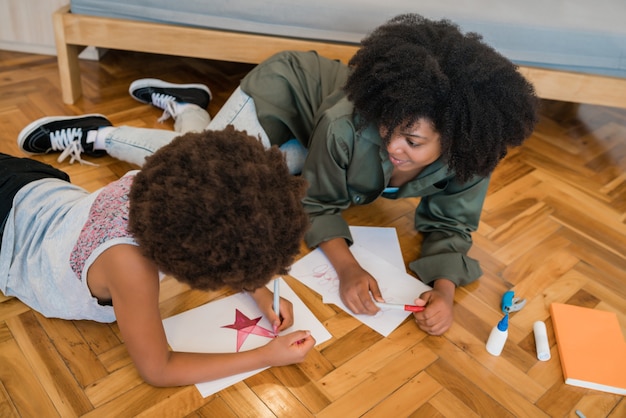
{"type": "Point", "coordinates": [246, 326]}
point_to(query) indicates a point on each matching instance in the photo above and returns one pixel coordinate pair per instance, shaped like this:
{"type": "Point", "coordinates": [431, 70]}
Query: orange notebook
{"type": "Point", "coordinates": [591, 347]}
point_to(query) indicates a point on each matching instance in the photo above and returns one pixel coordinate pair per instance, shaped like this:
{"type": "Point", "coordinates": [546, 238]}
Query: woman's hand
{"type": "Point", "coordinates": [356, 288]}
{"type": "Point", "coordinates": [438, 315]}
{"type": "Point", "coordinates": [264, 299]}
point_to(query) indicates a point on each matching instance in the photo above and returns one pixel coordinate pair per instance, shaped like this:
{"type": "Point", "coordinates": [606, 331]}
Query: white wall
{"type": "Point", "coordinates": [26, 25]}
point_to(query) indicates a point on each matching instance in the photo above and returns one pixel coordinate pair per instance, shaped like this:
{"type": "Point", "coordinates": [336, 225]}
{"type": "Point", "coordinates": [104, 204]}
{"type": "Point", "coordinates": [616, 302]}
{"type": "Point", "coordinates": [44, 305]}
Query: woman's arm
{"type": "Point", "coordinates": [447, 220]}
{"type": "Point", "coordinates": [340, 174]}
{"type": "Point", "coordinates": [134, 287]}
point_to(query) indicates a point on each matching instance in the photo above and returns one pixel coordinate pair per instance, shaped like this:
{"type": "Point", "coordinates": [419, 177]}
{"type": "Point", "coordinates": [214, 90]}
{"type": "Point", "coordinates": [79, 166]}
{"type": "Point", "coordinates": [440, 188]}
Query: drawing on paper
{"type": "Point", "coordinates": [246, 326]}
{"type": "Point", "coordinates": [329, 282]}
{"type": "Point", "coordinates": [327, 277]}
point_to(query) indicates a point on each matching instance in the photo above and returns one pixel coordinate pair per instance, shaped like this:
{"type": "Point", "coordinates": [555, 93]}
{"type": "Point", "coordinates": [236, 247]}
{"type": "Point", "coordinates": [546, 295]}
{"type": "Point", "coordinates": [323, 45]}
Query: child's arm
{"type": "Point", "coordinates": [134, 288]}
{"type": "Point", "coordinates": [438, 315]}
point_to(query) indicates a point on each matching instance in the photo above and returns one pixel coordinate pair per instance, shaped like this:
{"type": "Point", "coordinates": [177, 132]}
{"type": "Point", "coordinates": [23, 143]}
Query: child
{"type": "Point", "coordinates": [422, 110]}
{"type": "Point", "coordinates": [212, 209]}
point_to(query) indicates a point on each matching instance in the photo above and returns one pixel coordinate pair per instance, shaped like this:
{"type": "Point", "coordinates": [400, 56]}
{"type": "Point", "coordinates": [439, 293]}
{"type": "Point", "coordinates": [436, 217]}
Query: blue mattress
{"type": "Point", "coordinates": [574, 35]}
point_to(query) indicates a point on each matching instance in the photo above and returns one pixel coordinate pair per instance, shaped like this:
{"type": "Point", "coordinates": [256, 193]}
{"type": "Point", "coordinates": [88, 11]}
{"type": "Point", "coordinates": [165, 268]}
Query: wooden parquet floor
{"type": "Point", "coordinates": [553, 230]}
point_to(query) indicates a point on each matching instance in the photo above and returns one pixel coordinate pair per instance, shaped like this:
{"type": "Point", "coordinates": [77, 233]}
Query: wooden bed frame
{"type": "Point", "coordinates": [74, 32]}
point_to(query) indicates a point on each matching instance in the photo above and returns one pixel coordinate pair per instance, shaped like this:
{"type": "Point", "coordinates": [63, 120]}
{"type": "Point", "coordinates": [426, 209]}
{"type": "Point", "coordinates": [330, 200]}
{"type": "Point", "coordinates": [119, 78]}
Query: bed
{"type": "Point", "coordinates": [571, 50]}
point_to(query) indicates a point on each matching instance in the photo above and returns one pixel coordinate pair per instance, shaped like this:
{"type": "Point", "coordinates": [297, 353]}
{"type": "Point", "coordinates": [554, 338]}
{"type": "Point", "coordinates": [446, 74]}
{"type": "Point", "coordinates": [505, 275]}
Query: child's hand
{"type": "Point", "coordinates": [438, 315]}
{"type": "Point", "coordinates": [264, 299]}
{"type": "Point", "coordinates": [288, 349]}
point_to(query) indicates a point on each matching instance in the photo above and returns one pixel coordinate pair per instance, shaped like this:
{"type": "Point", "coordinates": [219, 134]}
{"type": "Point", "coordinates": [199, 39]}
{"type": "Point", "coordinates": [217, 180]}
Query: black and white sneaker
{"type": "Point", "coordinates": [167, 96]}
{"type": "Point", "coordinates": [71, 135]}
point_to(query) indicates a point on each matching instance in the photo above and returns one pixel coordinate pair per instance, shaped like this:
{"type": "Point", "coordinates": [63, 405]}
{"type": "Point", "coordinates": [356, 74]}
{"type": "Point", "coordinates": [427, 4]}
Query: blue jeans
{"type": "Point", "coordinates": [133, 145]}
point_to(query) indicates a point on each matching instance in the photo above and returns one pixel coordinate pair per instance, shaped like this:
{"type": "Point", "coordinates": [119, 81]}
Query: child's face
{"type": "Point", "coordinates": [414, 147]}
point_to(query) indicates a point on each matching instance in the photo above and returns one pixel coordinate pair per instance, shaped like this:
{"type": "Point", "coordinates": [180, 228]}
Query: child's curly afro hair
{"type": "Point", "coordinates": [216, 209]}
{"type": "Point", "coordinates": [412, 67]}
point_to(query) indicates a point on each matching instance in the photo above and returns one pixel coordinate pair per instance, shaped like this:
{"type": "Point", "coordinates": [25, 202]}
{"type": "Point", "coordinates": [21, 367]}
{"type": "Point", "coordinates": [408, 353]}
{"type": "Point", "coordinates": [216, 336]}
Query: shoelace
{"type": "Point", "coordinates": [165, 102]}
{"type": "Point", "coordinates": [68, 140]}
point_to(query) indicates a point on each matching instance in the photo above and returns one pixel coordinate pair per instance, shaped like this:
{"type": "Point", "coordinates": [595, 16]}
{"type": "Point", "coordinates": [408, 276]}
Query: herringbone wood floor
{"type": "Point", "coordinates": [553, 229]}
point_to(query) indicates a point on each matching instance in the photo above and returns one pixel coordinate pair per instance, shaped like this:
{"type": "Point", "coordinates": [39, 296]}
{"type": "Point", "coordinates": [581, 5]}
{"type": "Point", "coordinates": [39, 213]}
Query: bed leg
{"type": "Point", "coordinates": [67, 56]}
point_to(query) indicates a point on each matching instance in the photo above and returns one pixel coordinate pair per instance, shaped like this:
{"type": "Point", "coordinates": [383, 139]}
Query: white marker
{"type": "Point", "coordinates": [408, 308]}
{"type": "Point", "coordinates": [276, 301]}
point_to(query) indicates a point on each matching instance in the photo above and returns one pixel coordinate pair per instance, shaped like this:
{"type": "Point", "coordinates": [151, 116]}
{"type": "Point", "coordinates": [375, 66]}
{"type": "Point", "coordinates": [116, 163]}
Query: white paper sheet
{"type": "Point", "coordinates": [200, 330]}
{"type": "Point", "coordinates": [398, 287]}
{"type": "Point", "coordinates": [381, 241]}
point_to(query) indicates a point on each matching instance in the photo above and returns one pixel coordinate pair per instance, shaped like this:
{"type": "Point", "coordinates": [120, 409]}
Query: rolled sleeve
{"type": "Point", "coordinates": [447, 220]}
{"type": "Point", "coordinates": [327, 227]}
{"type": "Point", "coordinates": [327, 196]}
{"type": "Point", "coordinates": [456, 267]}
{"type": "Point", "coordinates": [326, 170]}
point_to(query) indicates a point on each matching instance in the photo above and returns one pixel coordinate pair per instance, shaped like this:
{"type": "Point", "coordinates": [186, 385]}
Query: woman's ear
{"type": "Point", "coordinates": [382, 130]}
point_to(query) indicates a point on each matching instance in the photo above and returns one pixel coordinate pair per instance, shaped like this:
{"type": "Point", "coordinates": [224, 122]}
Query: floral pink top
{"type": "Point", "coordinates": [108, 219]}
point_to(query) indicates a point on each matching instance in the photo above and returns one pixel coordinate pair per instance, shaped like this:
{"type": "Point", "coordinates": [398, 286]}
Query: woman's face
{"type": "Point", "coordinates": [414, 147]}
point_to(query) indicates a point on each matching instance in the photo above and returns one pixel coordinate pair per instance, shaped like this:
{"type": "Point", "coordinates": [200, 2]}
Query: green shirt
{"type": "Point", "coordinates": [299, 95]}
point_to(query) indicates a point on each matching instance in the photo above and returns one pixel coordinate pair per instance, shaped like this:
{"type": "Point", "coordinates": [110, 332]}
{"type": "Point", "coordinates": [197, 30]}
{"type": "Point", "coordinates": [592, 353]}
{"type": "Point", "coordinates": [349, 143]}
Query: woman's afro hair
{"type": "Point", "coordinates": [412, 67]}
{"type": "Point", "coordinates": [216, 209]}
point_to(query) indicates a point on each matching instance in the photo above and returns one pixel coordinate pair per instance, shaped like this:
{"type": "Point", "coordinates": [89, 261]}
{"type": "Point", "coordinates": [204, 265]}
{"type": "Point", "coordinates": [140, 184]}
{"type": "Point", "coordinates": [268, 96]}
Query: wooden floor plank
{"type": "Point", "coordinates": [20, 385]}
{"type": "Point", "coordinates": [408, 398]}
{"type": "Point", "coordinates": [466, 390]}
{"type": "Point", "coordinates": [70, 344]}
{"type": "Point", "coordinates": [277, 396]}
{"type": "Point", "coordinates": [51, 371]}
{"type": "Point", "coordinates": [365, 395]}
{"type": "Point", "coordinates": [304, 390]}
{"type": "Point", "coordinates": [498, 387]}
{"type": "Point", "coordinates": [447, 405]}
{"type": "Point", "coordinates": [359, 368]}
{"type": "Point", "coordinates": [244, 403]}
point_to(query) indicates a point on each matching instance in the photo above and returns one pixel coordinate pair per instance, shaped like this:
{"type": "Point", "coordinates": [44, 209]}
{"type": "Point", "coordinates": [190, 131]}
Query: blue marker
{"type": "Point", "coordinates": [276, 301]}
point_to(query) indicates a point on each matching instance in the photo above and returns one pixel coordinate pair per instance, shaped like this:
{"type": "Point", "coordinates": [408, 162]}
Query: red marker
{"type": "Point", "coordinates": [409, 308]}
